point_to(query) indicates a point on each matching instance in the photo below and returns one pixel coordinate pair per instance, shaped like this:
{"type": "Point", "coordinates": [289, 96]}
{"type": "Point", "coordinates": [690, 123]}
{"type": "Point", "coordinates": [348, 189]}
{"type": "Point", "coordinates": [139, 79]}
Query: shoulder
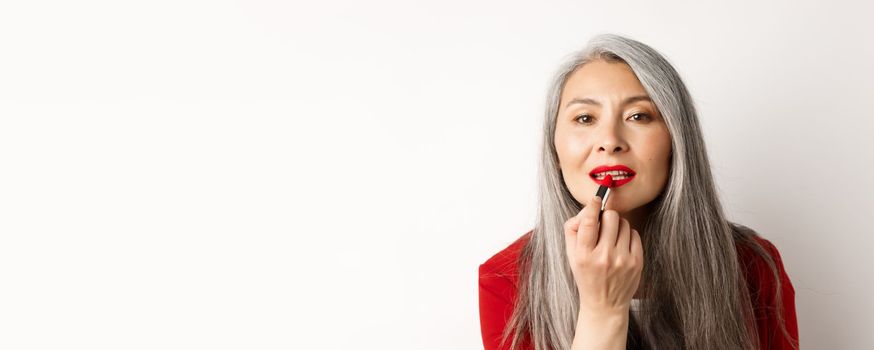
{"type": "Point", "coordinates": [751, 246]}
{"type": "Point", "coordinates": [498, 285]}
{"type": "Point", "coordinates": [752, 257]}
{"type": "Point", "coordinates": [503, 263]}
{"type": "Point", "coordinates": [759, 272]}
{"type": "Point", "coordinates": [771, 291]}
{"type": "Point", "coordinates": [498, 276]}
{"type": "Point", "coordinates": [763, 243]}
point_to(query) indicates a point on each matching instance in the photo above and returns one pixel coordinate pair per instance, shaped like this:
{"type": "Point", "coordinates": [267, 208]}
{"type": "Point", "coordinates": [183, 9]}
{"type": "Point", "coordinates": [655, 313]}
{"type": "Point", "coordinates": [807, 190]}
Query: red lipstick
{"type": "Point", "coordinates": [616, 183]}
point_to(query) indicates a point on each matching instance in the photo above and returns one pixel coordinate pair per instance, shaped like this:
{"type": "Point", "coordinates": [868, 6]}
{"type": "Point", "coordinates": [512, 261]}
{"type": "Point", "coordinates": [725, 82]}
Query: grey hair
{"type": "Point", "coordinates": [697, 296]}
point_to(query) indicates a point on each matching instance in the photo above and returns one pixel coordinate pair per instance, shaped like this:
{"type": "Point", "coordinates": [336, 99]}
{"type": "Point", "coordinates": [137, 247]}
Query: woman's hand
{"type": "Point", "coordinates": [606, 260]}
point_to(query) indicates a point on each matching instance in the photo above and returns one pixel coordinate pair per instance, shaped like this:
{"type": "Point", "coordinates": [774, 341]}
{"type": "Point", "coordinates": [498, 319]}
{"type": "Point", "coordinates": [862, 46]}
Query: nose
{"type": "Point", "coordinates": [611, 147]}
{"type": "Point", "coordinates": [610, 140]}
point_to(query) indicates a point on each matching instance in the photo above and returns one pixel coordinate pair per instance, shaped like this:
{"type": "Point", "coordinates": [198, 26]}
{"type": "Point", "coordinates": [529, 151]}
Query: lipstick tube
{"type": "Point", "coordinates": [604, 193]}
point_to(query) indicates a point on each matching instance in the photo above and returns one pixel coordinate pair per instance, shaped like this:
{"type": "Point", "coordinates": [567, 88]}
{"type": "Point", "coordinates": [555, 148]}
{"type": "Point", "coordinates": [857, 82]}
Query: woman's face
{"type": "Point", "coordinates": [606, 118]}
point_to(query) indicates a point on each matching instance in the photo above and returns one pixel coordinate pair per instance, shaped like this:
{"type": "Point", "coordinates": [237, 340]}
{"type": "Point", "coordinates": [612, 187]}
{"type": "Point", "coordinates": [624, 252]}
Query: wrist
{"type": "Point", "coordinates": [601, 330]}
{"type": "Point", "coordinates": [605, 318]}
{"type": "Point", "coordinates": [603, 314]}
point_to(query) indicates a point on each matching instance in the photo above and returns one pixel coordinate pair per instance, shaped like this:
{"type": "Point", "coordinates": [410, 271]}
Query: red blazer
{"type": "Point", "coordinates": [498, 281]}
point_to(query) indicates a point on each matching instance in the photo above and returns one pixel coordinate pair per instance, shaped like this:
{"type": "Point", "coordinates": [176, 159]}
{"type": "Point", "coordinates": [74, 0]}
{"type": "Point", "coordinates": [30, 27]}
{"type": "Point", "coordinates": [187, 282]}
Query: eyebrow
{"type": "Point", "coordinates": [593, 102]}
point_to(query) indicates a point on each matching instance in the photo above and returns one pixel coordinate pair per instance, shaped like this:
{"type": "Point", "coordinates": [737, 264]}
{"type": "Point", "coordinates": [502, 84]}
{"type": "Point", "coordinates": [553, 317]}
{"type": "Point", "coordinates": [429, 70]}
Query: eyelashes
{"type": "Point", "coordinates": [644, 117]}
{"type": "Point", "coordinates": [577, 119]}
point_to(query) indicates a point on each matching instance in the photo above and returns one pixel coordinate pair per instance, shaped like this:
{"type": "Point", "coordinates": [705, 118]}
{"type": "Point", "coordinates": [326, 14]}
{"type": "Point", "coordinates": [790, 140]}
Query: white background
{"type": "Point", "coordinates": [275, 175]}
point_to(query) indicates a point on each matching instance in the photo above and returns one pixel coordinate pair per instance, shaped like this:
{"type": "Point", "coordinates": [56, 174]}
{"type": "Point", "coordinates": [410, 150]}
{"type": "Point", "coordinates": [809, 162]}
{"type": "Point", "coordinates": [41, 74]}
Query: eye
{"type": "Point", "coordinates": [584, 116]}
{"type": "Point", "coordinates": [643, 116]}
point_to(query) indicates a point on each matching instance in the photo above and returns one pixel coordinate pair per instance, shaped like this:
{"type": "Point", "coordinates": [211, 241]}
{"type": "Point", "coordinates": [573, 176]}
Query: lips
{"type": "Point", "coordinates": [613, 168]}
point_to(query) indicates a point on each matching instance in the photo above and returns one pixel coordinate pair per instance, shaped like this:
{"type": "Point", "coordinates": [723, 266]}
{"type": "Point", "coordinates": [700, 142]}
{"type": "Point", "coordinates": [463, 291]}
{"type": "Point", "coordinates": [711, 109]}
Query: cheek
{"type": "Point", "coordinates": [658, 152]}
{"type": "Point", "coordinates": [570, 147]}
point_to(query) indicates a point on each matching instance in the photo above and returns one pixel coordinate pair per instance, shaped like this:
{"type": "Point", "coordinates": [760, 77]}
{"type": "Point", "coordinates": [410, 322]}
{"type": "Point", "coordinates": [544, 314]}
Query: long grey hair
{"type": "Point", "coordinates": [696, 295]}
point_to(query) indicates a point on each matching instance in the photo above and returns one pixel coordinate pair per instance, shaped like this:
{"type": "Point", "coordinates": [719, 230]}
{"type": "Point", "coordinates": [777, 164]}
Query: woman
{"type": "Point", "coordinates": [661, 267]}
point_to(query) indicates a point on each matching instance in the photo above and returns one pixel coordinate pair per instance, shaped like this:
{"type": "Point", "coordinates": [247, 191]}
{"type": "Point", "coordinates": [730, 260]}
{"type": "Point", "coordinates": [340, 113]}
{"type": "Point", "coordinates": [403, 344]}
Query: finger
{"type": "Point", "coordinates": [636, 244]}
{"type": "Point", "coordinates": [575, 224]}
{"type": "Point", "coordinates": [623, 242]}
{"type": "Point", "coordinates": [587, 231]}
{"type": "Point", "coordinates": [570, 230]}
{"type": "Point", "coordinates": [609, 228]}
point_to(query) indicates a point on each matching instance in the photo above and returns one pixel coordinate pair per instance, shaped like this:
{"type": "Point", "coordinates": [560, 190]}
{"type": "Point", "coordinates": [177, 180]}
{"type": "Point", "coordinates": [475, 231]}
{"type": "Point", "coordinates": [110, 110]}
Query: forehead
{"type": "Point", "coordinates": [603, 80]}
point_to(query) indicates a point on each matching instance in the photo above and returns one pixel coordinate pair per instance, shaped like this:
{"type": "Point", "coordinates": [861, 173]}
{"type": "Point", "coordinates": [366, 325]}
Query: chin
{"type": "Point", "coordinates": [618, 208]}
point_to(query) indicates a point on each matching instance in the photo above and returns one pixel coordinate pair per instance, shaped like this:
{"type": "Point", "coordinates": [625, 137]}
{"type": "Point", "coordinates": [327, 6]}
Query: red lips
{"type": "Point", "coordinates": [616, 183]}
